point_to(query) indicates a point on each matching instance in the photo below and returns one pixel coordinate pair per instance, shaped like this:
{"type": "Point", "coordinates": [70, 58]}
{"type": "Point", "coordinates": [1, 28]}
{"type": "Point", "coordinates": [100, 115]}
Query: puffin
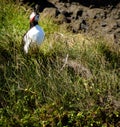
{"type": "Point", "coordinates": [35, 35]}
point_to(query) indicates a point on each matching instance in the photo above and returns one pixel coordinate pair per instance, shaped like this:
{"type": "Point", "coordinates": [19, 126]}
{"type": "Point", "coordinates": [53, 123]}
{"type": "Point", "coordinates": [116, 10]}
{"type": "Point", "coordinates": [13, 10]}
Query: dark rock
{"type": "Point", "coordinates": [43, 3]}
{"type": "Point", "coordinates": [61, 19]}
{"type": "Point", "coordinates": [67, 14]}
{"type": "Point", "coordinates": [118, 23]}
{"type": "Point", "coordinates": [100, 17]}
{"type": "Point", "coordinates": [103, 24]}
{"type": "Point", "coordinates": [117, 36]}
{"type": "Point", "coordinates": [51, 12]}
{"type": "Point", "coordinates": [79, 13]}
{"type": "Point", "coordinates": [84, 26]}
{"type": "Point", "coordinates": [75, 26]}
{"type": "Point", "coordinates": [95, 3]}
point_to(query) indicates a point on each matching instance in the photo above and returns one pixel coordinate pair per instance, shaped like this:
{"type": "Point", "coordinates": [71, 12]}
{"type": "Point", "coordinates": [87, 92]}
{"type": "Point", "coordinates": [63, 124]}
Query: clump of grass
{"type": "Point", "coordinates": [39, 89]}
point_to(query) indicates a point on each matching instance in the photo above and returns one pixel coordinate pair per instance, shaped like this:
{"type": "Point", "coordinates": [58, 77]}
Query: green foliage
{"type": "Point", "coordinates": [40, 90]}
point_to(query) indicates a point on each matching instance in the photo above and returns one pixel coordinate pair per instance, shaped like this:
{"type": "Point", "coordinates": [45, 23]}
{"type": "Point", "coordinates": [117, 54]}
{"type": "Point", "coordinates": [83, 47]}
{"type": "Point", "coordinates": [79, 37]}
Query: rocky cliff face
{"type": "Point", "coordinates": [98, 17]}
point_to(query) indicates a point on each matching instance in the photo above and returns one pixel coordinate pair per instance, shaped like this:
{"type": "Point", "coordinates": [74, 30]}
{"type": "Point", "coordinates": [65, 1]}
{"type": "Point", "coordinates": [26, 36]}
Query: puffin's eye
{"type": "Point", "coordinates": [36, 17]}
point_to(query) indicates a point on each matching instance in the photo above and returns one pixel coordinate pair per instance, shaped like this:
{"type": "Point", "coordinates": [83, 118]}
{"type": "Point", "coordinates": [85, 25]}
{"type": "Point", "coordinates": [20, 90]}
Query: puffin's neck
{"type": "Point", "coordinates": [32, 24]}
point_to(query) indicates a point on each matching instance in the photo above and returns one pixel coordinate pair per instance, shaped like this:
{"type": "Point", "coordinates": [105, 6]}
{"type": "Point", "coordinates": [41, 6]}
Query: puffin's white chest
{"type": "Point", "coordinates": [34, 35]}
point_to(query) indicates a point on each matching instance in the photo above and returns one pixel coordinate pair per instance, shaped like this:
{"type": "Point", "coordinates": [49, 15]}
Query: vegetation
{"type": "Point", "coordinates": [43, 89]}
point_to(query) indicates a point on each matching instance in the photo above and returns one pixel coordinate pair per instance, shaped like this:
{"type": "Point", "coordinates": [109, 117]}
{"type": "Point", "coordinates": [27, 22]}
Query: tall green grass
{"type": "Point", "coordinates": [40, 89]}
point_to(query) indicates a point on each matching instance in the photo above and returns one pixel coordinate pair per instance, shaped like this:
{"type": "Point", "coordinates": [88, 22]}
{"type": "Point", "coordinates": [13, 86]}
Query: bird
{"type": "Point", "coordinates": [36, 34]}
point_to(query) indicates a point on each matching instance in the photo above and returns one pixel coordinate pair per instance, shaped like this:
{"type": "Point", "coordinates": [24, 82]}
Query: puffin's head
{"type": "Point", "coordinates": [34, 17]}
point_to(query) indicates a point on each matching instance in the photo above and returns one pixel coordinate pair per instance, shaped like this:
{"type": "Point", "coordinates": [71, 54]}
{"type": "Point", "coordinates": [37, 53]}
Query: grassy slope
{"type": "Point", "coordinates": [36, 90]}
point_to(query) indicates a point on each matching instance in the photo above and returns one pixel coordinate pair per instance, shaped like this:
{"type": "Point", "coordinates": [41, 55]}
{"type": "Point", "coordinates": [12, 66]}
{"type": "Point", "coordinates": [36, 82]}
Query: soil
{"type": "Point", "coordinates": [96, 17]}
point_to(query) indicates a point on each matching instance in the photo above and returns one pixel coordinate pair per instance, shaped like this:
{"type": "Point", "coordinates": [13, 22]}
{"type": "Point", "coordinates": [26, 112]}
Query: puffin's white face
{"type": "Point", "coordinates": [34, 17]}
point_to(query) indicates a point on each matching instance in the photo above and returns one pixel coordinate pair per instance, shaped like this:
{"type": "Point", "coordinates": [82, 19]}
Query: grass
{"type": "Point", "coordinates": [40, 89]}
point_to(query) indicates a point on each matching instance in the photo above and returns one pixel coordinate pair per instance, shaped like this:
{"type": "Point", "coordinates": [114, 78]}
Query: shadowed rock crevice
{"type": "Point", "coordinates": [43, 3]}
{"type": "Point", "coordinates": [94, 3]}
